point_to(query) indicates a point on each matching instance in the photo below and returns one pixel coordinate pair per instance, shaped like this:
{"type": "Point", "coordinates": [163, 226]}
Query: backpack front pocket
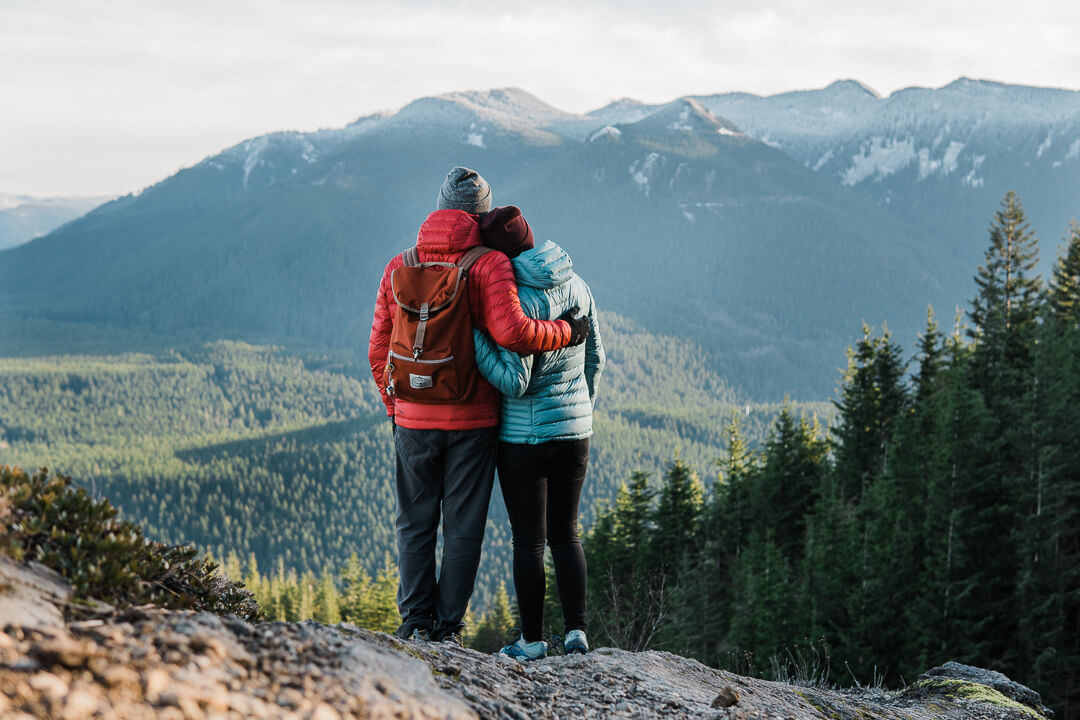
{"type": "Point", "coordinates": [424, 380]}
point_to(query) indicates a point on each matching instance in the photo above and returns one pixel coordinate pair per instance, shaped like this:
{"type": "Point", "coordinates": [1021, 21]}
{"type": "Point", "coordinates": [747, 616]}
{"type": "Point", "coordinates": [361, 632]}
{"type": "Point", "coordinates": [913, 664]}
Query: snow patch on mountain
{"type": "Point", "coordinates": [643, 170]}
{"type": "Point", "coordinates": [972, 179]}
{"type": "Point", "coordinates": [823, 159]}
{"type": "Point", "coordinates": [608, 132]}
{"type": "Point", "coordinates": [254, 148]}
{"type": "Point", "coordinates": [880, 158]}
{"type": "Point", "coordinates": [1045, 144]}
{"type": "Point", "coordinates": [308, 151]}
{"type": "Point", "coordinates": [681, 122]}
{"type": "Point", "coordinates": [946, 165]}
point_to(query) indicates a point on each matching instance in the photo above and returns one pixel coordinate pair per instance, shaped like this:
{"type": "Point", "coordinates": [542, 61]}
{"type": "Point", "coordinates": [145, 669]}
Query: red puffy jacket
{"type": "Point", "coordinates": [494, 305]}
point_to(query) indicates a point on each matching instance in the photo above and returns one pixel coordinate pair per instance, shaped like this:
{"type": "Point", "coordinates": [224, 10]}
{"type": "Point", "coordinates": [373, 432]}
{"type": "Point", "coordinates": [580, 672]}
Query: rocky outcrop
{"type": "Point", "coordinates": [149, 662]}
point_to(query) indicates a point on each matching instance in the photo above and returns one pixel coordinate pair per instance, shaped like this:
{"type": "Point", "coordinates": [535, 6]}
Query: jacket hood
{"type": "Point", "coordinates": [546, 266]}
{"type": "Point", "coordinates": [448, 232]}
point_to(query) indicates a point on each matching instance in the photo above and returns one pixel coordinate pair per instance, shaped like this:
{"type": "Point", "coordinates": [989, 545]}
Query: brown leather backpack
{"type": "Point", "coordinates": [432, 357]}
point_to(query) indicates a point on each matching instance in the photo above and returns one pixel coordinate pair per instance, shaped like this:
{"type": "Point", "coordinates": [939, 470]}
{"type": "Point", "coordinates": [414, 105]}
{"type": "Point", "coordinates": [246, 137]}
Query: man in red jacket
{"type": "Point", "coordinates": [446, 453]}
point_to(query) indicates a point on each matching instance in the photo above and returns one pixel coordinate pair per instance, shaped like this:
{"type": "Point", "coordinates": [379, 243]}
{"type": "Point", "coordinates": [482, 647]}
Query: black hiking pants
{"type": "Point", "coordinates": [541, 485]}
{"type": "Point", "coordinates": [448, 473]}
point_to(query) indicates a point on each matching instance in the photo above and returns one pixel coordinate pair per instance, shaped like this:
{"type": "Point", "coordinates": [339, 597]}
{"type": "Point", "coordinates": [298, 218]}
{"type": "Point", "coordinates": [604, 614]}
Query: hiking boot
{"type": "Point", "coordinates": [455, 638]}
{"type": "Point", "coordinates": [418, 632]}
{"type": "Point", "coordinates": [522, 650]}
{"type": "Point", "coordinates": [575, 643]}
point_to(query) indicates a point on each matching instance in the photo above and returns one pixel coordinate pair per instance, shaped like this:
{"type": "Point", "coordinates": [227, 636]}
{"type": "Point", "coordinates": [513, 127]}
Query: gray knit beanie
{"type": "Point", "coordinates": [464, 189]}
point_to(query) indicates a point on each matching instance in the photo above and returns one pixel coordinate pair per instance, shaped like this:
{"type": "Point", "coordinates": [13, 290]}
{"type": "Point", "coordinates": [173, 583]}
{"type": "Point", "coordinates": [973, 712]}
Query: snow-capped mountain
{"type": "Point", "coordinates": [765, 228]}
{"type": "Point", "coordinates": [935, 155]}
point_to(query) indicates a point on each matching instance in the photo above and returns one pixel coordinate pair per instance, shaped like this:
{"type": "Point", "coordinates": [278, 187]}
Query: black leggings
{"type": "Point", "coordinates": [541, 485]}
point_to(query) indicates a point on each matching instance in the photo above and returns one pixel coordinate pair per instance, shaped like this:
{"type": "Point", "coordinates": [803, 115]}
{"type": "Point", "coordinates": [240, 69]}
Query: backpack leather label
{"type": "Point", "coordinates": [419, 382]}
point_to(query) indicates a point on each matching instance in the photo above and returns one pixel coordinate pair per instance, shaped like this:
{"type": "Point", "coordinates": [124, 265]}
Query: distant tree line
{"type": "Point", "coordinates": [938, 520]}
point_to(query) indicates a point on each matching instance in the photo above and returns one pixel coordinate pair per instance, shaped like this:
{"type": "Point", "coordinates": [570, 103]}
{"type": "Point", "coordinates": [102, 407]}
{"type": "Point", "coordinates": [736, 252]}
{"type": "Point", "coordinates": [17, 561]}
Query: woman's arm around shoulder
{"type": "Point", "coordinates": [508, 371]}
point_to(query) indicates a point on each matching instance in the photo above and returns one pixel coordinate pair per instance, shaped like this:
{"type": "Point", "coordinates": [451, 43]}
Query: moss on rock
{"type": "Point", "coordinates": [967, 690]}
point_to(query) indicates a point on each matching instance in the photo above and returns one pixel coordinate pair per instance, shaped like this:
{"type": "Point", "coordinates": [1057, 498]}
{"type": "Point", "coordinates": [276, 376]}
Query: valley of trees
{"type": "Point", "coordinates": [939, 519]}
{"type": "Point", "coordinates": [286, 455]}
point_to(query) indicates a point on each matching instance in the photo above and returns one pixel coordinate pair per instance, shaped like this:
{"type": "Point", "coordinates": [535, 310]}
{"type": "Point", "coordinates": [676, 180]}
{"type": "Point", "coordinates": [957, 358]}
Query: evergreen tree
{"type": "Point", "coordinates": [1005, 311]}
{"type": "Point", "coordinates": [1065, 284]}
{"type": "Point", "coordinates": [327, 608]}
{"type": "Point", "coordinates": [930, 361]}
{"type": "Point", "coordinates": [1049, 584]}
{"type": "Point", "coordinates": [764, 621]}
{"type": "Point", "coordinates": [951, 601]}
{"type": "Point", "coordinates": [628, 592]}
{"type": "Point", "coordinates": [872, 397]}
{"type": "Point", "coordinates": [495, 626]}
{"type": "Point", "coordinates": [782, 492]}
{"type": "Point", "coordinates": [675, 519]}
{"type": "Point", "coordinates": [1008, 288]}
{"type": "Point", "coordinates": [354, 595]}
{"type": "Point", "coordinates": [704, 593]}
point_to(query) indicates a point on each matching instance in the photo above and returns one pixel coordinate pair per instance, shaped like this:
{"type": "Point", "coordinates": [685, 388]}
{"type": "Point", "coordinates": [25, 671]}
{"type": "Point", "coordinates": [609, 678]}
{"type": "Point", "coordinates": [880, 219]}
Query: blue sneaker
{"type": "Point", "coordinates": [576, 643]}
{"type": "Point", "coordinates": [522, 650]}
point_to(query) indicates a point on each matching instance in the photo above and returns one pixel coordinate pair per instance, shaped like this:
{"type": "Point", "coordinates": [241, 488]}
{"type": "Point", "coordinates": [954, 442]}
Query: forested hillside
{"type": "Point", "coordinates": [284, 455]}
{"type": "Point", "coordinates": [939, 519]}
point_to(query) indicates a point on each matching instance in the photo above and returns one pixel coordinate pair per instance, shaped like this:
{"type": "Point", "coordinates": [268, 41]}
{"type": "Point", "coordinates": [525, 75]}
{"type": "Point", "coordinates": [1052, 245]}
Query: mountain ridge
{"type": "Point", "coordinates": [807, 216]}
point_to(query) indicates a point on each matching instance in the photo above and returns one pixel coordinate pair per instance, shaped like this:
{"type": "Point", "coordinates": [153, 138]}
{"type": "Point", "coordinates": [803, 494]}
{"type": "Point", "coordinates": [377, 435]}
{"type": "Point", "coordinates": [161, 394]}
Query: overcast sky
{"type": "Point", "coordinates": [109, 96]}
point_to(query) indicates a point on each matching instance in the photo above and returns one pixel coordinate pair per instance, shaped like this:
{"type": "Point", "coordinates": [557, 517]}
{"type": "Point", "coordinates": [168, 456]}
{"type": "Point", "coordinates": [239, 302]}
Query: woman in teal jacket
{"type": "Point", "coordinates": [547, 409]}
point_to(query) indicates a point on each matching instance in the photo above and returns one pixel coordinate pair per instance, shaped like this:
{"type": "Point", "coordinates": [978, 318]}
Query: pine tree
{"type": "Point", "coordinates": [930, 360]}
{"type": "Point", "coordinates": [354, 596]}
{"type": "Point", "coordinates": [1065, 284]}
{"type": "Point", "coordinates": [675, 518]}
{"type": "Point", "coordinates": [953, 603]}
{"type": "Point", "coordinates": [895, 513]}
{"type": "Point", "coordinates": [327, 609]}
{"type": "Point", "coordinates": [782, 491]}
{"type": "Point", "coordinates": [764, 621]}
{"type": "Point", "coordinates": [830, 563]}
{"type": "Point", "coordinates": [1005, 311]}
{"type": "Point", "coordinates": [1049, 584]}
{"type": "Point", "coordinates": [382, 609]}
{"type": "Point", "coordinates": [495, 626]}
{"type": "Point", "coordinates": [702, 602]}
{"type": "Point", "coordinates": [627, 591]}
{"type": "Point", "coordinates": [873, 396]}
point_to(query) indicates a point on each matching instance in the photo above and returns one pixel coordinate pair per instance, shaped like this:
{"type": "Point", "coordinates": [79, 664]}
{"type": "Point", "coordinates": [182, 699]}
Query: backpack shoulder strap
{"type": "Point", "coordinates": [411, 257]}
{"type": "Point", "coordinates": [470, 256]}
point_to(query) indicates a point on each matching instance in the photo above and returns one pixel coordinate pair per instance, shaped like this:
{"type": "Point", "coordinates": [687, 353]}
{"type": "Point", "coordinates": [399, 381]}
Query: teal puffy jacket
{"type": "Point", "coordinates": [548, 396]}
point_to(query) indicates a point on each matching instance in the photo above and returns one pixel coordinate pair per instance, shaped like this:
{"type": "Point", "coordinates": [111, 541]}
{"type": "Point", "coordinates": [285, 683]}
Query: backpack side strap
{"type": "Point", "coordinates": [470, 256]}
{"type": "Point", "coordinates": [411, 257]}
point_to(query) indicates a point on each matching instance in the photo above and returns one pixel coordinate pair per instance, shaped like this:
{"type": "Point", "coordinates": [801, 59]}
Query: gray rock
{"type": "Point", "coordinates": [214, 667]}
{"type": "Point", "coordinates": [991, 678]}
{"type": "Point", "coordinates": [32, 595]}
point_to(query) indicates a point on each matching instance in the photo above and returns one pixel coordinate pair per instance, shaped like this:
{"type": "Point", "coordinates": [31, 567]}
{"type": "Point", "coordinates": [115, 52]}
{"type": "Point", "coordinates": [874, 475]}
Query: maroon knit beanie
{"type": "Point", "coordinates": [504, 229]}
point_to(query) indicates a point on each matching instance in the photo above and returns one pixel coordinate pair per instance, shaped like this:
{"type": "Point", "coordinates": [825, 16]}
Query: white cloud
{"type": "Point", "coordinates": [105, 97]}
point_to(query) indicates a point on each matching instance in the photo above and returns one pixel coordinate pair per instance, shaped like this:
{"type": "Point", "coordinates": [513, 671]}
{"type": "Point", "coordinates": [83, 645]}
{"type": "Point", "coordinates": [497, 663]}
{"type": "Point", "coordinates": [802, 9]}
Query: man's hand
{"type": "Point", "coordinates": [579, 326]}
